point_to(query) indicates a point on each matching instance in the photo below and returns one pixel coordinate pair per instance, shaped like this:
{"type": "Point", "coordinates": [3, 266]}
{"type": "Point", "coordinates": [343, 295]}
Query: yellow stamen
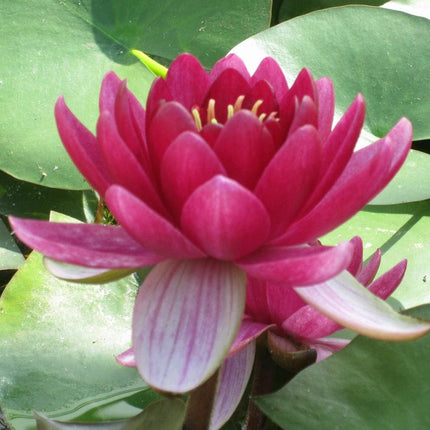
{"type": "Point", "coordinates": [197, 119]}
{"type": "Point", "coordinates": [262, 116]}
{"type": "Point", "coordinates": [211, 112]}
{"type": "Point", "coordinates": [230, 111]}
{"type": "Point", "coordinates": [238, 104]}
{"type": "Point", "coordinates": [257, 104]}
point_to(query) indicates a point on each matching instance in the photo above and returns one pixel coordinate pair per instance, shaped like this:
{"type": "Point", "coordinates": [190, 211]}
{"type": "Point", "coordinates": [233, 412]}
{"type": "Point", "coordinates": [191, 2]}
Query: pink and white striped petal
{"type": "Point", "coordinates": [84, 275]}
{"type": "Point", "coordinates": [235, 373]}
{"type": "Point", "coordinates": [88, 245]}
{"type": "Point", "coordinates": [344, 300]}
{"type": "Point", "coordinates": [249, 331]}
{"type": "Point", "coordinates": [186, 316]}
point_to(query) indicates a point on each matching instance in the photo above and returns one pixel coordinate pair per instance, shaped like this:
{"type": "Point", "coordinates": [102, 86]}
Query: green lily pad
{"type": "Point", "coordinates": [368, 385]}
{"type": "Point", "coordinates": [400, 231]}
{"type": "Point", "coordinates": [389, 67]}
{"type": "Point", "coordinates": [65, 47]}
{"type": "Point", "coordinates": [411, 184]}
{"type": "Point", "coordinates": [10, 255]}
{"type": "Point", "coordinates": [58, 343]}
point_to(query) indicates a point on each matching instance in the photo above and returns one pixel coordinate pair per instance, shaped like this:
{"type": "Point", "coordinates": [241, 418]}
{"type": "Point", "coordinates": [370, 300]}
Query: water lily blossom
{"type": "Point", "coordinates": [223, 176]}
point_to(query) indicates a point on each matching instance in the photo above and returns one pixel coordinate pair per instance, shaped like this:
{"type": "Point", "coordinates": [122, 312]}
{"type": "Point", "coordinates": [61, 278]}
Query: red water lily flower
{"type": "Point", "coordinates": [223, 175]}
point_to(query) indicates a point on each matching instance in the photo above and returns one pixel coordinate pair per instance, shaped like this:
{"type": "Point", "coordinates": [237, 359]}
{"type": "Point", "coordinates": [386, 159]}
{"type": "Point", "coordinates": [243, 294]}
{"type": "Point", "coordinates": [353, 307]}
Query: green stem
{"type": "Point", "coordinates": [151, 64]}
{"type": "Point", "coordinates": [200, 404]}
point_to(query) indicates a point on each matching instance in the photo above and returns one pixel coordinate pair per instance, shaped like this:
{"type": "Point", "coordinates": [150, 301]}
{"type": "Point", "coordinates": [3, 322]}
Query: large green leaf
{"type": "Point", "coordinates": [58, 341]}
{"type": "Point", "coordinates": [400, 231]}
{"type": "Point", "coordinates": [65, 47]}
{"type": "Point", "coordinates": [389, 66]}
{"type": "Point", "coordinates": [411, 184]}
{"type": "Point", "coordinates": [10, 255]}
{"type": "Point", "coordinates": [369, 385]}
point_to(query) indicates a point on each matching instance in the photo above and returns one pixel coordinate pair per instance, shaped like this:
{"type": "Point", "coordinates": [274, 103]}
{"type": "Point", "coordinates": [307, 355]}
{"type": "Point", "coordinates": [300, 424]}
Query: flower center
{"type": "Point", "coordinates": [231, 110]}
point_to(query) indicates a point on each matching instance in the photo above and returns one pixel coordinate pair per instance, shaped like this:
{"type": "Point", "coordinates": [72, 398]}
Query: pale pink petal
{"type": "Point", "coordinates": [297, 266]}
{"type": "Point", "coordinates": [147, 227]}
{"type": "Point", "coordinates": [344, 300]}
{"type": "Point", "coordinates": [235, 373]}
{"type": "Point", "coordinates": [126, 358]}
{"type": "Point", "coordinates": [82, 147]}
{"type": "Point", "coordinates": [89, 245]}
{"type": "Point", "coordinates": [186, 317]}
{"type": "Point", "coordinates": [224, 219]}
{"type": "Point", "coordinates": [85, 275]}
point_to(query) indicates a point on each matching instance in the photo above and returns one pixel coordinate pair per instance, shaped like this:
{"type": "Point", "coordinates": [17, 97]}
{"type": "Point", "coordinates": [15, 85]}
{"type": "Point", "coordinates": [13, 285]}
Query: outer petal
{"type": "Point", "coordinates": [290, 177]}
{"type": "Point", "coordinates": [385, 285]}
{"type": "Point", "coordinates": [123, 165]}
{"type": "Point", "coordinates": [188, 163]}
{"type": "Point", "coordinates": [297, 266]}
{"type": "Point", "coordinates": [226, 220]}
{"type": "Point", "coordinates": [244, 147]}
{"type": "Point", "coordinates": [148, 227]}
{"type": "Point", "coordinates": [325, 106]}
{"type": "Point", "coordinates": [358, 184]}
{"type": "Point", "coordinates": [126, 358]}
{"type": "Point", "coordinates": [249, 331]}
{"type": "Point", "coordinates": [230, 61]}
{"type": "Point", "coordinates": [344, 300]}
{"type": "Point", "coordinates": [235, 373]}
{"type": "Point", "coordinates": [186, 316]}
{"type": "Point", "coordinates": [89, 245]}
{"type": "Point", "coordinates": [82, 148]}
{"type": "Point", "coordinates": [366, 275]}
{"type": "Point", "coordinates": [86, 275]}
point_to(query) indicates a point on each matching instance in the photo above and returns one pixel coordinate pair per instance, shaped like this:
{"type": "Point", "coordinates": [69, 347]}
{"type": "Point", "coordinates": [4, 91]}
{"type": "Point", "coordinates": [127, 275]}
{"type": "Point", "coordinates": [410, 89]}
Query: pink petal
{"type": "Point", "coordinates": [89, 245]}
{"type": "Point", "coordinates": [325, 107]}
{"type": "Point", "coordinates": [359, 183]}
{"type": "Point", "coordinates": [168, 123]}
{"type": "Point", "coordinates": [188, 163]}
{"type": "Point", "coordinates": [225, 90]}
{"type": "Point", "coordinates": [270, 71]}
{"type": "Point", "coordinates": [123, 165]}
{"type": "Point", "coordinates": [187, 81]}
{"type": "Point", "coordinates": [126, 358]}
{"type": "Point", "coordinates": [230, 61]}
{"type": "Point", "coordinates": [108, 92]}
{"type": "Point", "coordinates": [226, 220]}
{"type": "Point", "coordinates": [257, 307]}
{"type": "Point", "coordinates": [186, 317]}
{"type": "Point", "coordinates": [338, 149]}
{"type": "Point", "coordinates": [158, 95]}
{"type": "Point", "coordinates": [308, 323]}
{"type": "Point", "coordinates": [261, 91]}
{"type": "Point", "coordinates": [368, 272]}
{"type": "Point", "coordinates": [297, 266]}
{"type": "Point", "coordinates": [306, 114]}
{"type": "Point", "coordinates": [148, 227]}
{"type": "Point", "coordinates": [85, 275]}
{"type": "Point", "coordinates": [235, 373]}
{"type": "Point", "coordinates": [244, 147]}
{"type": "Point", "coordinates": [356, 263]}
{"type": "Point", "coordinates": [290, 177]}
{"type": "Point", "coordinates": [82, 147]}
{"type": "Point", "coordinates": [385, 285]}
{"type": "Point", "coordinates": [249, 331]}
{"type": "Point", "coordinates": [344, 300]}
